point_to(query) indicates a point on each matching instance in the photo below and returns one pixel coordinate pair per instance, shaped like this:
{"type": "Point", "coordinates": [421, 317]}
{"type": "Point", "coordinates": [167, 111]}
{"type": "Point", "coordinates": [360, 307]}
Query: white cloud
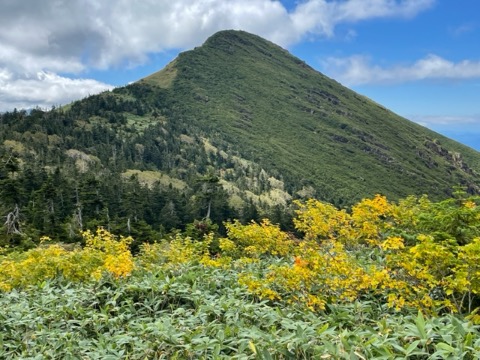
{"type": "Point", "coordinates": [321, 17]}
{"type": "Point", "coordinates": [358, 70]}
{"type": "Point", "coordinates": [72, 36]}
{"type": "Point", "coordinates": [462, 29]}
{"type": "Point", "coordinates": [105, 32]}
{"type": "Point", "coordinates": [43, 89]}
{"type": "Point", "coordinates": [446, 120]}
{"type": "Point", "coordinates": [464, 129]}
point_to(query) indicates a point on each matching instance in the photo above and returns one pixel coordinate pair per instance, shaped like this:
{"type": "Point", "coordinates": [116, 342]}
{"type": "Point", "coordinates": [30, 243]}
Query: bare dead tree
{"type": "Point", "coordinates": [12, 222]}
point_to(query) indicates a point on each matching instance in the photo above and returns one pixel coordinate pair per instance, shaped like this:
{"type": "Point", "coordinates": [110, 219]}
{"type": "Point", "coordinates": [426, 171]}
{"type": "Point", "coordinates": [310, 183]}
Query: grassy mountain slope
{"type": "Point", "coordinates": [251, 95]}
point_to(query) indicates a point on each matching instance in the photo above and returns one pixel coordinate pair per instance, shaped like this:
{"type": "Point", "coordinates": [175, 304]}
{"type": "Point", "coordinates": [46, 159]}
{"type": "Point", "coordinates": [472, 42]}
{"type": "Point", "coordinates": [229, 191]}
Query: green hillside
{"type": "Point", "coordinates": [236, 128]}
{"type": "Point", "coordinates": [256, 98]}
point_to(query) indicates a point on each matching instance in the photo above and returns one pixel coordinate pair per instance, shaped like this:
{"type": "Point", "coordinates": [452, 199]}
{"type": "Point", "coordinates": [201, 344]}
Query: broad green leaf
{"type": "Point", "coordinates": [446, 347]}
{"type": "Point", "coordinates": [420, 322]}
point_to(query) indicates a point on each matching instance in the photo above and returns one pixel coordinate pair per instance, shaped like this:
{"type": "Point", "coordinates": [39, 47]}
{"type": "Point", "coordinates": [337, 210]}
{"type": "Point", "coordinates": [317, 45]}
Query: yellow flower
{"type": "Point", "coordinates": [393, 243]}
{"type": "Point", "coordinates": [469, 204]}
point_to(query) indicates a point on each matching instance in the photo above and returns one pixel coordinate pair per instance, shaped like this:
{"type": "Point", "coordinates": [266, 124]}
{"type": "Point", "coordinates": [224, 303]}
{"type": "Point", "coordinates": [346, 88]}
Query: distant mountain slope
{"type": "Point", "coordinates": [237, 127]}
{"type": "Point", "coordinates": [253, 96]}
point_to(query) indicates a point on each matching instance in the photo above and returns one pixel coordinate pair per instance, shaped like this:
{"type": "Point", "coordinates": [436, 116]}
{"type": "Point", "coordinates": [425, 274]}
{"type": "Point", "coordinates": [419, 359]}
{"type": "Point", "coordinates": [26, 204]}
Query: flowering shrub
{"type": "Point", "coordinates": [436, 268]}
{"type": "Point", "coordinates": [255, 240]}
{"type": "Point", "coordinates": [372, 219]}
{"type": "Point", "coordinates": [318, 274]}
{"type": "Point", "coordinates": [321, 221]}
{"type": "Point", "coordinates": [102, 253]}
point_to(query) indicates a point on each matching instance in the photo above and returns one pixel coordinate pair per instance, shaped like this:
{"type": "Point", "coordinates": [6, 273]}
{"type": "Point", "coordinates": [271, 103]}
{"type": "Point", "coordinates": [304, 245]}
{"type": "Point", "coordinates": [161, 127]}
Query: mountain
{"type": "Point", "coordinates": [254, 97]}
{"type": "Point", "coordinates": [237, 127]}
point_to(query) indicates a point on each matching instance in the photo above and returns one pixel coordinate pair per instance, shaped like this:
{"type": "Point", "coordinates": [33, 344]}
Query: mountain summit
{"type": "Point", "coordinates": [249, 95]}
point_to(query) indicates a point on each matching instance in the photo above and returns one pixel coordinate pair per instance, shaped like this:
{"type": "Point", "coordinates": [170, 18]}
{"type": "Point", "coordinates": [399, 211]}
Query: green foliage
{"type": "Point", "coordinates": [200, 312]}
{"type": "Point", "coordinates": [452, 219]}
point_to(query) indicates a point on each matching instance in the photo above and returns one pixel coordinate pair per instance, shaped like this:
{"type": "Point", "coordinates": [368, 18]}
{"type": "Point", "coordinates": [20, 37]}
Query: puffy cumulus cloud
{"type": "Point", "coordinates": [358, 70]}
{"type": "Point", "coordinates": [72, 36]}
{"type": "Point", "coordinates": [43, 89]}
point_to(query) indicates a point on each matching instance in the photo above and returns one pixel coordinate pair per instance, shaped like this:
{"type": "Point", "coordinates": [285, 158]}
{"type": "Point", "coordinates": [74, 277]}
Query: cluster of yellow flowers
{"type": "Point", "coordinates": [255, 240]}
{"type": "Point", "coordinates": [102, 253]}
{"type": "Point", "coordinates": [331, 263]}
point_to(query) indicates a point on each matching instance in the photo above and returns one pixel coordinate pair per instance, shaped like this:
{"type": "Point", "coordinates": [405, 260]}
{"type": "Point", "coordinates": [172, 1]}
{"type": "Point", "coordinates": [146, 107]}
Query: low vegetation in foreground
{"type": "Point", "coordinates": [381, 281]}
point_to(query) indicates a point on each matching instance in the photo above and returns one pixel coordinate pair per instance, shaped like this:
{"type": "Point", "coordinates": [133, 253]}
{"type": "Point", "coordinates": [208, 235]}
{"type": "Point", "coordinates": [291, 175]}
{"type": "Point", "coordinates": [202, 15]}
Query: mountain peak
{"type": "Point", "coordinates": [230, 40]}
{"type": "Point", "coordinates": [235, 37]}
{"type": "Point", "coordinates": [227, 45]}
{"type": "Point", "coordinates": [252, 99]}
{"type": "Point", "coordinates": [255, 93]}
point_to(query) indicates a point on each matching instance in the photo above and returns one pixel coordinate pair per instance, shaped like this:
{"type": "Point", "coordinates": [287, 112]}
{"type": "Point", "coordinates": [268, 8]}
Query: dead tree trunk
{"type": "Point", "coordinates": [12, 222]}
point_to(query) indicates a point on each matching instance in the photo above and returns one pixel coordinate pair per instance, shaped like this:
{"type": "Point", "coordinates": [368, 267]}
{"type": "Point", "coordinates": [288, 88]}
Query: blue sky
{"type": "Point", "coordinates": [419, 58]}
